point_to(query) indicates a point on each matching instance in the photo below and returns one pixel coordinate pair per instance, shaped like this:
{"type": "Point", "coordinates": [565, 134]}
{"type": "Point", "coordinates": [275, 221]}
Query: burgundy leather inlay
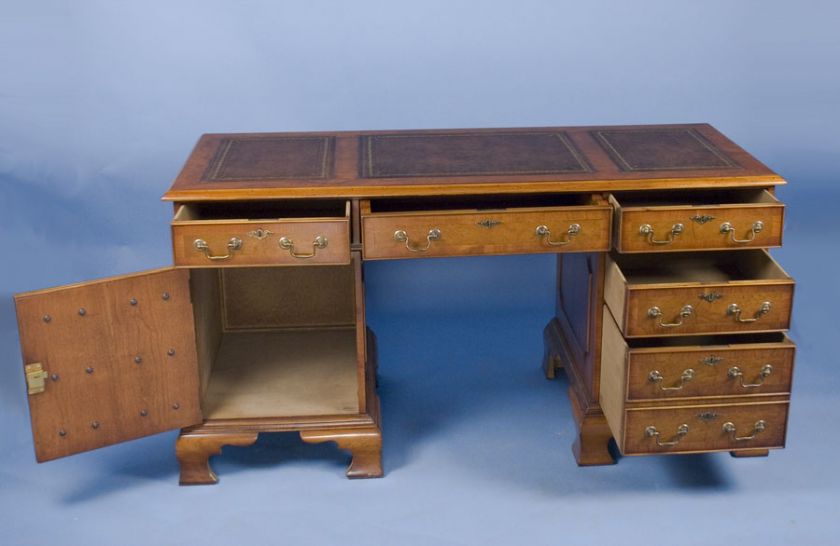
{"type": "Point", "coordinates": [255, 158]}
{"type": "Point", "coordinates": [661, 150]}
{"type": "Point", "coordinates": [467, 154]}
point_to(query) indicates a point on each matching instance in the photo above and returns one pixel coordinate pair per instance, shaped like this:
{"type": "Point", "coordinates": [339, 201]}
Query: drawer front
{"type": "Point", "coordinates": [468, 233]}
{"type": "Point", "coordinates": [681, 228]}
{"type": "Point", "coordinates": [751, 369]}
{"type": "Point", "coordinates": [692, 429]}
{"type": "Point", "coordinates": [758, 307]}
{"type": "Point", "coordinates": [261, 243]}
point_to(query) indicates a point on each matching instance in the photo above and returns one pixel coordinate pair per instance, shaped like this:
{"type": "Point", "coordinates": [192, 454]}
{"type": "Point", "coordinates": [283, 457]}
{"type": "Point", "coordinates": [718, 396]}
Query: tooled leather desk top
{"type": "Point", "coordinates": [462, 161]}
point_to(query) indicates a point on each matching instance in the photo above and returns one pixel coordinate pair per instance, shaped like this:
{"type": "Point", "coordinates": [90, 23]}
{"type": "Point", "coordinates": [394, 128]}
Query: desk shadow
{"type": "Point", "coordinates": [527, 461]}
{"type": "Point", "coordinates": [124, 466]}
{"type": "Point", "coordinates": [475, 398]}
{"type": "Point", "coordinates": [157, 462]}
{"type": "Point", "coordinates": [696, 471]}
{"type": "Point", "coordinates": [483, 402]}
{"type": "Point", "coordinates": [12, 383]}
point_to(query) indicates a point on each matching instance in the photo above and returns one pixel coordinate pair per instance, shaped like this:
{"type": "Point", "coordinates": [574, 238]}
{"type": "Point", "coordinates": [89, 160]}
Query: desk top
{"type": "Point", "coordinates": [464, 161]}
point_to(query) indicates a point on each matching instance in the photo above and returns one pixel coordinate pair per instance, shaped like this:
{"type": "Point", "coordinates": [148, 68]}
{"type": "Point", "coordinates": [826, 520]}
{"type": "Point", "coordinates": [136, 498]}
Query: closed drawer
{"type": "Point", "coordinates": [646, 369]}
{"type": "Point", "coordinates": [261, 233]}
{"type": "Point", "coordinates": [679, 221]}
{"type": "Point", "coordinates": [698, 293]}
{"type": "Point", "coordinates": [704, 428]}
{"type": "Point", "coordinates": [467, 227]}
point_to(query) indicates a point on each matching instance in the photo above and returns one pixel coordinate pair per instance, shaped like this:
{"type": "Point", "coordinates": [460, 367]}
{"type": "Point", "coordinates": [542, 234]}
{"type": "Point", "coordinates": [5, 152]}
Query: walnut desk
{"type": "Point", "coordinates": [670, 313]}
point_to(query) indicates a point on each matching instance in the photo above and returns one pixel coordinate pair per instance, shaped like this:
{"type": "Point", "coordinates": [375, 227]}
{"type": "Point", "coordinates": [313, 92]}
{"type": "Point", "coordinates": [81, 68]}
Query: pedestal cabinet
{"type": "Point", "coordinates": [671, 314]}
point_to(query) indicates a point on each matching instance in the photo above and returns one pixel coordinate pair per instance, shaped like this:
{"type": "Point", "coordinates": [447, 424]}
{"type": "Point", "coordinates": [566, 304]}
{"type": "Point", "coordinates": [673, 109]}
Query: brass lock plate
{"type": "Point", "coordinates": [35, 378]}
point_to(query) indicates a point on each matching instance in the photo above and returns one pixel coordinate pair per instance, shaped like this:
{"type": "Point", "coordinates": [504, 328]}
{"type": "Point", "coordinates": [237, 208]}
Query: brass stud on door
{"type": "Point", "coordinates": [94, 425]}
{"type": "Point", "coordinates": [133, 301]}
{"type": "Point", "coordinates": [138, 359]}
{"type": "Point", "coordinates": [176, 406]}
{"type": "Point", "coordinates": [165, 296]}
{"type": "Point", "coordinates": [89, 370]}
{"type": "Point", "coordinates": [82, 311]}
{"type": "Point", "coordinates": [144, 413]}
{"type": "Point", "coordinates": [46, 318]}
{"type": "Point", "coordinates": [62, 432]}
{"type": "Point", "coordinates": [171, 352]}
{"type": "Point", "coordinates": [55, 377]}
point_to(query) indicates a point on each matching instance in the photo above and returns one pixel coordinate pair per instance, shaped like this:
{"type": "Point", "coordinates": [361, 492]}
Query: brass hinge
{"type": "Point", "coordinates": [35, 378]}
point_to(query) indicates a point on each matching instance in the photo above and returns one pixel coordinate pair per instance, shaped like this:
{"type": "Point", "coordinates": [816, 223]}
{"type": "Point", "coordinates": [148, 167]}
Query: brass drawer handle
{"type": "Point", "coordinates": [234, 244]}
{"type": "Point", "coordinates": [656, 312]}
{"type": "Point", "coordinates": [544, 233]}
{"type": "Point", "coordinates": [287, 244]}
{"type": "Point", "coordinates": [728, 229]}
{"type": "Point", "coordinates": [682, 430]}
{"type": "Point", "coordinates": [401, 236]}
{"type": "Point", "coordinates": [656, 377]}
{"type": "Point", "coordinates": [647, 231]}
{"type": "Point", "coordinates": [735, 311]}
{"type": "Point", "coordinates": [736, 373]}
{"type": "Point", "coordinates": [759, 427]}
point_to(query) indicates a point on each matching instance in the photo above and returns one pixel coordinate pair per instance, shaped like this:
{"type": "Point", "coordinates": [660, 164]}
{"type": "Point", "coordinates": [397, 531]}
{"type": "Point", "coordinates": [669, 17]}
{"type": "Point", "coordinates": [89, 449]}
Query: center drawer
{"type": "Point", "coordinates": [261, 233]}
{"type": "Point", "coordinates": [484, 225]}
{"type": "Point", "coordinates": [697, 220]}
{"type": "Point", "coordinates": [698, 293]}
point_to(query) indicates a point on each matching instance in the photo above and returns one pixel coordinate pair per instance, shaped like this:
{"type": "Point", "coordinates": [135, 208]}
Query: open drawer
{"type": "Point", "coordinates": [703, 428]}
{"type": "Point", "coordinates": [673, 395]}
{"type": "Point", "coordinates": [261, 233]}
{"type": "Point", "coordinates": [698, 293]}
{"type": "Point", "coordinates": [697, 220]}
{"type": "Point", "coordinates": [467, 226]}
{"type": "Point", "coordinates": [648, 369]}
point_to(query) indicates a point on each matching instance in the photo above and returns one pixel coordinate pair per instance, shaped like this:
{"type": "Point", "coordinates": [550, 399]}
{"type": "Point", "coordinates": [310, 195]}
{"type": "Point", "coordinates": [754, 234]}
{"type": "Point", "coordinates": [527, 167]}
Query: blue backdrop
{"type": "Point", "coordinates": [100, 103]}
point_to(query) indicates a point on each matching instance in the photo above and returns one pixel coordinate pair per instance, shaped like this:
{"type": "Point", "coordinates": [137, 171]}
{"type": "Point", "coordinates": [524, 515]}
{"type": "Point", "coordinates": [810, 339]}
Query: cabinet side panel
{"type": "Point", "coordinates": [613, 376]}
{"type": "Point", "coordinates": [573, 293]}
{"type": "Point", "coordinates": [207, 309]}
{"type": "Point", "coordinates": [579, 301]}
{"type": "Point", "coordinates": [361, 330]}
{"type": "Point", "coordinates": [615, 291]}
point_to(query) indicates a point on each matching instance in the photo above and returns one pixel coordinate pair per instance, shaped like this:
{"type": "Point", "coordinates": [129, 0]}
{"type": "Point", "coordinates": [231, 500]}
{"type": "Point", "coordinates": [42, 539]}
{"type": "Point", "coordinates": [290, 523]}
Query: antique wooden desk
{"type": "Point", "coordinates": [670, 313]}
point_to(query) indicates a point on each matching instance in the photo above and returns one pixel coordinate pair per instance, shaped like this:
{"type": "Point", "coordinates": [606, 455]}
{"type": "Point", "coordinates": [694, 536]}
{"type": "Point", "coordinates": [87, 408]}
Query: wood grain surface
{"type": "Point", "coordinates": [260, 241]}
{"type": "Point", "coordinates": [469, 162]}
{"type": "Point", "coordinates": [484, 232]}
{"type": "Point", "coordinates": [701, 223]}
{"type": "Point", "coordinates": [121, 356]}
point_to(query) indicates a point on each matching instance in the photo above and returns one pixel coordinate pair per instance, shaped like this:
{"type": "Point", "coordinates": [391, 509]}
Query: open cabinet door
{"type": "Point", "coordinates": [109, 360]}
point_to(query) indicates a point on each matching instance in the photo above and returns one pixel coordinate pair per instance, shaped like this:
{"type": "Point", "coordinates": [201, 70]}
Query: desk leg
{"type": "Point", "coordinates": [551, 359]}
{"type": "Point", "coordinates": [194, 450]}
{"type": "Point", "coordinates": [591, 445]}
{"type": "Point", "coordinates": [364, 444]}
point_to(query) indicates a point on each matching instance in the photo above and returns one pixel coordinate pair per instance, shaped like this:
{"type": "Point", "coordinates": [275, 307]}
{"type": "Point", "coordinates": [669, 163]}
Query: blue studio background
{"type": "Point", "coordinates": [101, 102]}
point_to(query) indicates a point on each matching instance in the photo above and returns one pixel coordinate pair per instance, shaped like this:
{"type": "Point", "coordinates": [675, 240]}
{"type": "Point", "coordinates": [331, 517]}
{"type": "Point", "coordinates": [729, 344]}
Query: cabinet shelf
{"type": "Point", "coordinates": [283, 373]}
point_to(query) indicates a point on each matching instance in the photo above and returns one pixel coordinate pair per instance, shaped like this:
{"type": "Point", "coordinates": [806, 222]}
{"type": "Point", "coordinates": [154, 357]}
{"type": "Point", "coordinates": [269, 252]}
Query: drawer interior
{"type": "Point", "coordinates": [479, 202]}
{"type": "Point", "coordinates": [712, 341]}
{"type": "Point", "coordinates": [700, 267]}
{"type": "Point", "coordinates": [261, 210]}
{"type": "Point", "coordinates": [276, 342]}
{"type": "Point", "coordinates": [694, 198]}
